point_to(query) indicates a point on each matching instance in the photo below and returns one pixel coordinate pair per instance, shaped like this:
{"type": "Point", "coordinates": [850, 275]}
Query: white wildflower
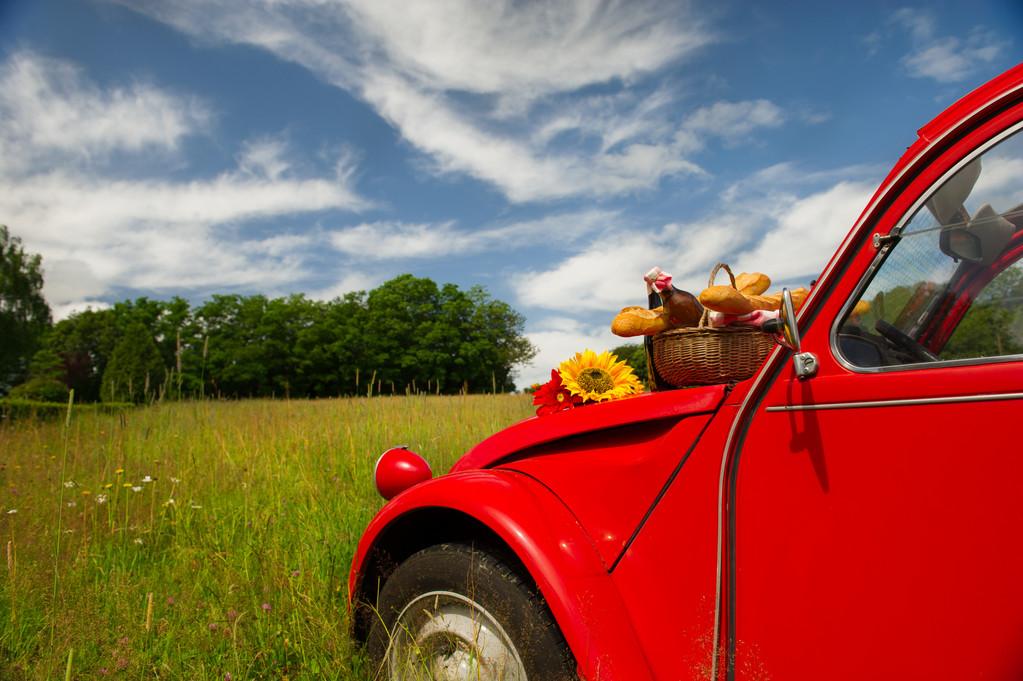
{"type": "Point", "coordinates": [138, 541]}
{"type": "Point", "coordinates": [147, 479]}
{"type": "Point", "coordinates": [72, 504]}
{"type": "Point", "coordinates": [175, 480]}
{"type": "Point", "coordinates": [69, 483]}
{"type": "Point", "coordinates": [12, 511]}
{"type": "Point", "coordinates": [136, 488]}
{"type": "Point", "coordinates": [101, 498]}
{"type": "Point", "coordinates": [169, 502]}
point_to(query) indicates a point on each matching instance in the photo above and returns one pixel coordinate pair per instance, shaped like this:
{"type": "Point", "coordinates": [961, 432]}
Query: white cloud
{"type": "Point", "coordinates": [71, 279]}
{"type": "Point", "coordinates": [524, 171]}
{"type": "Point", "coordinates": [414, 63]}
{"type": "Point", "coordinates": [998, 183]}
{"type": "Point", "coordinates": [65, 310]}
{"type": "Point", "coordinates": [384, 240]}
{"type": "Point", "coordinates": [918, 23]}
{"type": "Point", "coordinates": [265, 157]}
{"type": "Point", "coordinates": [609, 274]}
{"type": "Point", "coordinates": [786, 179]}
{"type": "Point", "coordinates": [950, 61]}
{"type": "Point", "coordinates": [48, 108]}
{"type": "Point", "coordinates": [95, 230]}
{"type": "Point", "coordinates": [278, 245]}
{"type": "Point", "coordinates": [605, 276]}
{"type": "Point", "coordinates": [528, 48]}
{"type": "Point", "coordinates": [400, 240]}
{"type": "Point", "coordinates": [806, 233]}
{"type": "Point", "coordinates": [163, 234]}
{"type": "Point", "coordinates": [610, 119]}
{"type": "Point", "coordinates": [786, 236]}
{"type": "Point", "coordinates": [945, 58]}
{"type": "Point", "coordinates": [729, 120]}
{"type": "Point", "coordinates": [352, 281]}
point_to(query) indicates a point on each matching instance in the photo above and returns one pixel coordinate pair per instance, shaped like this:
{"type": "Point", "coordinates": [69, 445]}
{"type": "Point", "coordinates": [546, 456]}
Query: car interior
{"type": "Point", "coordinates": [950, 286]}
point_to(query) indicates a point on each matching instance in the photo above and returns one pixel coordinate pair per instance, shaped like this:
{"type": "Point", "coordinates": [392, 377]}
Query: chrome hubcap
{"type": "Point", "coordinates": [444, 636]}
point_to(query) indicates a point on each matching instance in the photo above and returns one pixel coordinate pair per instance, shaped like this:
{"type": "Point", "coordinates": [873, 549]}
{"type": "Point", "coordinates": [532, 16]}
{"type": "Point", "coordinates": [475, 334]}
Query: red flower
{"type": "Point", "coordinates": [553, 396]}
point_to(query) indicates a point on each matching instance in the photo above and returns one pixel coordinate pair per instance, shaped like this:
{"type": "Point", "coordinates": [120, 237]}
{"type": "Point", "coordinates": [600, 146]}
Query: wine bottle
{"type": "Point", "coordinates": [682, 307]}
{"type": "Point", "coordinates": [653, 297]}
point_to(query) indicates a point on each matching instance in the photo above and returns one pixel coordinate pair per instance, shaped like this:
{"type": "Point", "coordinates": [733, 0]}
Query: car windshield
{"type": "Point", "coordinates": [952, 285]}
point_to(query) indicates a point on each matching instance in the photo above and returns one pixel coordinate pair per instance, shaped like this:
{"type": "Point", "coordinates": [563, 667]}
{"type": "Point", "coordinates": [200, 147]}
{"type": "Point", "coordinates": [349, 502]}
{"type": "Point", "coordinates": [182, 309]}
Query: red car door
{"type": "Point", "coordinates": [873, 512]}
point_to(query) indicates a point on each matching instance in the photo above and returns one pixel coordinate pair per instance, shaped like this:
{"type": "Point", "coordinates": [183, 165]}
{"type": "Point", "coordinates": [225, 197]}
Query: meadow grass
{"type": "Point", "coordinates": [203, 540]}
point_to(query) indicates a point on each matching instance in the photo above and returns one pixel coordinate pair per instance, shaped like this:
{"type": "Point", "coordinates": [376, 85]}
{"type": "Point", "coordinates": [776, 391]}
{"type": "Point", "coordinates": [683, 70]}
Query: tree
{"type": "Point", "coordinates": [406, 334]}
{"type": "Point", "coordinates": [46, 381]}
{"type": "Point", "coordinates": [418, 335]}
{"type": "Point", "coordinates": [993, 326]}
{"type": "Point", "coordinates": [495, 331]}
{"type": "Point", "coordinates": [135, 371]}
{"type": "Point", "coordinates": [24, 314]}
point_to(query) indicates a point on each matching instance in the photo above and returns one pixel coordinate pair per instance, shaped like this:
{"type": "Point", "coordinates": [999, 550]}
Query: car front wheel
{"type": "Point", "coordinates": [452, 612]}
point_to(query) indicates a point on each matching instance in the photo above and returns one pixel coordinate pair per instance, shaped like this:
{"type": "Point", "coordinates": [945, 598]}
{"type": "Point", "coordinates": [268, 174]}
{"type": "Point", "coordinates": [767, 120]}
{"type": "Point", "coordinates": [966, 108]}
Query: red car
{"type": "Point", "coordinates": [852, 511]}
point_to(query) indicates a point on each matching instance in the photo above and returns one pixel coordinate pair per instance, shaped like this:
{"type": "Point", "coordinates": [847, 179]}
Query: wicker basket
{"type": "Point", "coordinates": [702, 355]}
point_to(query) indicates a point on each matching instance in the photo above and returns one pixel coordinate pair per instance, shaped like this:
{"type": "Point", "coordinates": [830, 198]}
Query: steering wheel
{"type": "Point", "coordinates": [902, 341]}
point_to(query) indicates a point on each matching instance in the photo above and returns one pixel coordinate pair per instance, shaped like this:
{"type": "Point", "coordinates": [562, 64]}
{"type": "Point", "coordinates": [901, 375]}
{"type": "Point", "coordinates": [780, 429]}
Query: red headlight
{"type": "Point", "coordinates": [397, 469]}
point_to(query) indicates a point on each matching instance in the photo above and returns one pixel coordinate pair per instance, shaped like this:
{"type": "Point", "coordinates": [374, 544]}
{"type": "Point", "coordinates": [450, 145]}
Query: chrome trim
{"type": "Point", "coordinates": [995, 397]}
{"type": "Point", "coordinates": [805, 365]}
{"type": "Point", "coordinates": [882, 255]}
{"type": "Point", "coordinates": [916, 366]}
{"type": "Point", "coordinates": [822, 282]}
{"type": "Point", "coordinates": [719, 569]}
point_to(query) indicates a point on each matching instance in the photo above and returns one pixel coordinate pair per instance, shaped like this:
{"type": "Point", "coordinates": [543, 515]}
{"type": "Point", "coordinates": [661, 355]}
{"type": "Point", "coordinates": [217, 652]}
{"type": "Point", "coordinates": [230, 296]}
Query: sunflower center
{"type": "Point", "coordinates": [595, 380]}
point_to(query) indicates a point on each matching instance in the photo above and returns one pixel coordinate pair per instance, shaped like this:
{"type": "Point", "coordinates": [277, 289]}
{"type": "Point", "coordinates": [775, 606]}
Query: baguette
{"type": "Point", "coordinates": [798, 296]}
{"type": "Point", "coordinates": [639, 321]}
{"type": "Point", "coordinates": [752, 283]}
{"type": "Point", "coordinates": [725, 299]}
{"type": "Point", "coordinates": [764, 302]}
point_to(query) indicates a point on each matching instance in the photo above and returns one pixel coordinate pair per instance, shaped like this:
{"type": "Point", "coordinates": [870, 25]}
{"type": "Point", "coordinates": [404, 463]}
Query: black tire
{"type": "Point", "coordinates": [433, 592]}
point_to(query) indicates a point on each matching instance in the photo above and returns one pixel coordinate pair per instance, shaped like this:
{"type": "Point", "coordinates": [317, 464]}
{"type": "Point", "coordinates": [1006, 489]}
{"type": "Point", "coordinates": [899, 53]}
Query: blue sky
{"type": "Point", "coordinates": [550, 151]}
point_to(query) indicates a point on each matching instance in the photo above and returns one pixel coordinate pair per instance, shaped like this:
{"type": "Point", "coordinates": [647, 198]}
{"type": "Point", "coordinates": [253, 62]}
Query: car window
{"type": "Point", "coordinates": [951, 284]}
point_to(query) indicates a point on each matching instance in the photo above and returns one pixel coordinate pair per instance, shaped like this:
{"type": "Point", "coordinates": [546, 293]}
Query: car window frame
{"type": "Point", "coordinates": [885, 246]}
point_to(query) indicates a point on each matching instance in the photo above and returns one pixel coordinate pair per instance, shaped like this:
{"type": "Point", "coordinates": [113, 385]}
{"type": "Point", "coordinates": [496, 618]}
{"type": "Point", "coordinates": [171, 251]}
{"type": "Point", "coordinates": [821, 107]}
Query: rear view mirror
{"type": "Point", "coordinates": [981, 240]}
{"type": "Point", "coordinates": [946, 205]}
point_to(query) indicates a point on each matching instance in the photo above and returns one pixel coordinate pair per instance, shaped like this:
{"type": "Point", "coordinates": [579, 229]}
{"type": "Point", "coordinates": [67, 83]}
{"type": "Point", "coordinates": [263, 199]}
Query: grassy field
{"type": "Point", "coordinates": [203, 540]}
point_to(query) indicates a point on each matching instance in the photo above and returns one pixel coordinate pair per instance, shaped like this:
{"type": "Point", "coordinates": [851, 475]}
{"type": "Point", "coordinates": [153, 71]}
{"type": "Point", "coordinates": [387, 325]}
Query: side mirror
{"type": "Point", "coordinates": [786, 334]}
{"type": "Point", "coordinates": [784, 329]}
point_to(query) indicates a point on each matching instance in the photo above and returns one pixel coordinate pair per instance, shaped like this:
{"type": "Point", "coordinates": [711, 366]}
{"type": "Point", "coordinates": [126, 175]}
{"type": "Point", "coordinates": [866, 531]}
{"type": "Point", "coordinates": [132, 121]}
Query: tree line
{"type": "Point", "coordinates": [407, 335]}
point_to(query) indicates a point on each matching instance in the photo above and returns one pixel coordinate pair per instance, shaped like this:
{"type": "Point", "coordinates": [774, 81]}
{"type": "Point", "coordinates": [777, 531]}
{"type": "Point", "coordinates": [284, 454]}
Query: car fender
{"type": "Point", "coordinates": [551, 545]}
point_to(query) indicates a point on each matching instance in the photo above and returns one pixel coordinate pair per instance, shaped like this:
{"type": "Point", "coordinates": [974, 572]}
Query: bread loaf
{"type": "Point", "coordinates": [725, 299]}
{"type": "Point", "coordinates": [798, 296]}
{"type": "Point", "coordinates": [752, 283]}
{"type": "Point", "coordinates": [764, 302]}
{"type": "Point", "coordinates": [639, 321]}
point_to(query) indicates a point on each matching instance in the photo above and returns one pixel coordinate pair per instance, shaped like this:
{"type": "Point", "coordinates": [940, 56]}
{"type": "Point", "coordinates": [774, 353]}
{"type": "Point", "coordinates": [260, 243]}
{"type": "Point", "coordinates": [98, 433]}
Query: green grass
{"type": "Point", "coordinates": [244, 537]}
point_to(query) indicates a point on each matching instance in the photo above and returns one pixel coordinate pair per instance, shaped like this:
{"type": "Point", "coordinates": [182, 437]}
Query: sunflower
{"type": "Point", "coordinates": [596, 378]}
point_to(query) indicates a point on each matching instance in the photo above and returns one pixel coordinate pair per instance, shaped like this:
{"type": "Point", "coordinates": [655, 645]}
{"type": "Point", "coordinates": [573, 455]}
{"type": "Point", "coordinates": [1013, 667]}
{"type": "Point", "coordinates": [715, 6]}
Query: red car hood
{"type": "Point", "coordinates": [542, 430]}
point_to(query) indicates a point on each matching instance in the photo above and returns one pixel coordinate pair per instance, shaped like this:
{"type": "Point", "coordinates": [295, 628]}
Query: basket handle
{"type": "Point", "coordinates": [714, 273]}
{"type": "Point", "coordinates": [710, 282]}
